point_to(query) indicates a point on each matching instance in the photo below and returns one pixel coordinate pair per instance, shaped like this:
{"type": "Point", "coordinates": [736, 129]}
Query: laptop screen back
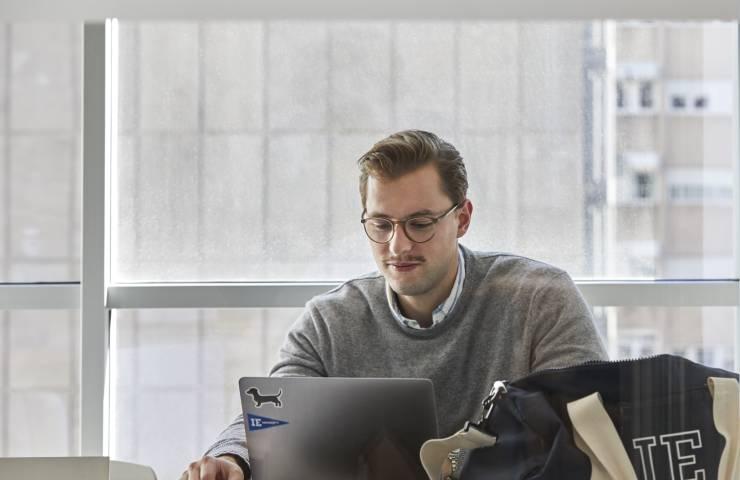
{"type": "Point", "coordinates": [337, 428]}
{"type": "Point", "coordinates": [58, 468]}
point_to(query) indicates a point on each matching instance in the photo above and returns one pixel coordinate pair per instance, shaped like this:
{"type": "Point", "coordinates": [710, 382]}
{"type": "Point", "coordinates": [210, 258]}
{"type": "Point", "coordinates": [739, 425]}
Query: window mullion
{"type": "Point", "coordinates": [94, 316]}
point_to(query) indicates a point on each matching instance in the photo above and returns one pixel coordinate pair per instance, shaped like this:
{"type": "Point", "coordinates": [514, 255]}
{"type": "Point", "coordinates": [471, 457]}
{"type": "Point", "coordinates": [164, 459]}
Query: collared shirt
{"type": "Point", "coordinates": [444, 308]}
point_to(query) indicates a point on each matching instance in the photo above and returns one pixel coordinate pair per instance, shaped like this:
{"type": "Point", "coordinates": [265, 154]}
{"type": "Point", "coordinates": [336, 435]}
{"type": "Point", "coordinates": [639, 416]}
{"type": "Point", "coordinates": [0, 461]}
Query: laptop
{"type": "Point", "coordinates": [72, 468]}
{"type": "Point", "coordinates": [337, 428]}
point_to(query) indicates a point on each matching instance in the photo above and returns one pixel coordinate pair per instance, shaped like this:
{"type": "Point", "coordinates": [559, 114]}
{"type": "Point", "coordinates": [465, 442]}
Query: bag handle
{"type": "Point", "coordinates": [595, 435]}
{"type": "Point", "coordinates": [726, 411]}
{"type": "Point", "coordinates": [434, 452]}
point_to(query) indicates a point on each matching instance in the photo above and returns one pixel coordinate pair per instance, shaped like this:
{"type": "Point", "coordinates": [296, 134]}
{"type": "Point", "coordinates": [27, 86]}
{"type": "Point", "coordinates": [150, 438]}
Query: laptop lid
{"type": "Point", "coordinates": [58, 468]}
{"type": "Point", "coordinates": [73, 468]}
{"type": "Point", "coordinates": [337, 428]}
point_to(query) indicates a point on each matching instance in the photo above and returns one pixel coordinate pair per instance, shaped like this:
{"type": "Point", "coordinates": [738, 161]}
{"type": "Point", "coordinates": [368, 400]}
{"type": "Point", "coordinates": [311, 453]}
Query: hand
{"type": "Point", "coordinates": [214, 468]}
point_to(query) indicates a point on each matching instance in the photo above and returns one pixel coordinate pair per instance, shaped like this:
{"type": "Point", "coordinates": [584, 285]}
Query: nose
{"type": "Point", "coordinates": [400, 243]}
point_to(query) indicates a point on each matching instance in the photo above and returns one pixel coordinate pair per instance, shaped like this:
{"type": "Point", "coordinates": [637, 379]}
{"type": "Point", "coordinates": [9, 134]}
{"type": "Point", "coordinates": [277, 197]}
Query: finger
{"type": "Point", "coordinates": [235, 474]}
{"type": "Point", "coordinates": [194, 471]}
{"type": "Point", "coordinates": [208, 470]}
{"type": "Point", "coordinates": [230, 471]}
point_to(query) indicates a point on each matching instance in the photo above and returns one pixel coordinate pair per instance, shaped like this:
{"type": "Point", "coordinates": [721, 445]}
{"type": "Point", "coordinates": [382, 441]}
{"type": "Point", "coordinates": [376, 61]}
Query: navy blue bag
{"type": "Point", "coordinates": [647, 419]}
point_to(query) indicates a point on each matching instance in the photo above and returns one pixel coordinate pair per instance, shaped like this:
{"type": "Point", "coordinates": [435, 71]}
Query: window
{"type": "Point", "coordinates": [621, 103]}
{"type": "Point", "coordinates": [243, 167]}
{"type": "Point", "coordinates": [39, 152]}
{"type": "Point", "coordinates": [243, 171]}
{"type": "Point", "coordinates": [678, 102]}
{"type": "Point", "coordinates": [178, 364]}
{"type": "Point", "coordinates": [644, 183]}
{"type": "Point", "coordinates": [646, 95]}
{"type": "Point", "coordinates": [709, 97]}
{"type": "Point", "coordinates": [703, 335]}
{"type": "Point", "coordinates": [710, 187]}
{"type": "Point", "coordinates": [39, 383]}
{"type": "Point", "coordinates": [217, 154]}
{"type": "Point", "coordinates": [40, 219]}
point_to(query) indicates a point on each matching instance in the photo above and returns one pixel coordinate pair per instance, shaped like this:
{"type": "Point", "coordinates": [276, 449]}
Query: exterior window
{"type": "Point", "coordinates": [644, 183]}
{"type": "Point", "coordinates": [678, 102]}
{"type": "Point", "coordinates": [646, 95]}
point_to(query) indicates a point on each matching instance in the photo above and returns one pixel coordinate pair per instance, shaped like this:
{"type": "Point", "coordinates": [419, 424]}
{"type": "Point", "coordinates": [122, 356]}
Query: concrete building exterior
{"type": "Point", "coordinates": [675, 157]}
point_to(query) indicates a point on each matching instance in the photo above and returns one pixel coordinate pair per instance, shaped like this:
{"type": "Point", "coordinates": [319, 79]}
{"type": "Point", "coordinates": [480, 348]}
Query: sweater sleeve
{"type": "Point", "coordinates": [232, 441]}
{"type": "Point", "coordinates": [301, 352]}
{"type": "Point", "coordinates": [298, 357]}
{"type": "Point", "coordinates": [562, 326]}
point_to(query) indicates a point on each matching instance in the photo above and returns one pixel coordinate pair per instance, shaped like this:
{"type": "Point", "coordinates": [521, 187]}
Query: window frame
{"type": "Point", "coordinates": [80, 10]}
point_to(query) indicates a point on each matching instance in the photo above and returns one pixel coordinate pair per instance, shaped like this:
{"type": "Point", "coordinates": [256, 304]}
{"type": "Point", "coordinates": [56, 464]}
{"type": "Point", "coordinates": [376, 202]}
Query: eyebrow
{"type": "Point", "coordinates": [417, 213]}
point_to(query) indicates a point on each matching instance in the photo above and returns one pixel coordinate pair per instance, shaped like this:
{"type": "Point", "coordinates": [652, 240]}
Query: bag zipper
{"type": "Point", "coordinates": [499, 387]}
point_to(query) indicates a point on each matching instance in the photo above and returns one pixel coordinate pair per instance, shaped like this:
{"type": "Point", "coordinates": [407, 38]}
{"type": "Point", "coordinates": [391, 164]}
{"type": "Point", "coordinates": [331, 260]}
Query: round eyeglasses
{"type": "Point", "coordinates": [418, 229]}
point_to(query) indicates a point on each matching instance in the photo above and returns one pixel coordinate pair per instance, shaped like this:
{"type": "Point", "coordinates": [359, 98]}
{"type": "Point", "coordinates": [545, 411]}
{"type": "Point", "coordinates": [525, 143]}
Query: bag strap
{"type": "Point", "coordinates": [726, 411]}
{"type": "Point", "coordinates": [595, 435]}
{"type": "Point", "coordinates": [434, 452]}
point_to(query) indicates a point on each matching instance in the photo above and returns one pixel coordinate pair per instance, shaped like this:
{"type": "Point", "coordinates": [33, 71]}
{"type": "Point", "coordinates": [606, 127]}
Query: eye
{"type": "Point", "coordinates": [421, 223]}
{"type": "Point", "coordinates": [379, 225]}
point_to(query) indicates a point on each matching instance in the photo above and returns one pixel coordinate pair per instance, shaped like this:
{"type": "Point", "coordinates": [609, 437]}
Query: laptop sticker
{"type": "Point", "coordinates": [258, 398]}
{"type": "Point", "coordinates": [260, 423]}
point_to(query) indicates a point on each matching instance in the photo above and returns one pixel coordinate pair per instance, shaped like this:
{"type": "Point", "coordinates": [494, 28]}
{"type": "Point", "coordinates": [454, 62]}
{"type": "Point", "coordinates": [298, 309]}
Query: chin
{"type": "Point", "coordinates": [408, 289]}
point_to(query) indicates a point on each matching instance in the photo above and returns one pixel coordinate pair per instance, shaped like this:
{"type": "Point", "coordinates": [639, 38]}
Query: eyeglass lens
{"type": "Point", "coordinates": [418, 229]}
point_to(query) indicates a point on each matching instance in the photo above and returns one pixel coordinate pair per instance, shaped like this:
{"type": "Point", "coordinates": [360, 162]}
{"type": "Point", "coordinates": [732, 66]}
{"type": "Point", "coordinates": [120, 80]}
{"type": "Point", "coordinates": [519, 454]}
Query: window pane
{"type": "Point", "coordinates": [702, 334]}
{"type": "Point", "coordinates": [606, 148]}
{"type": "Point", "coordinates": [175, 374]}
{"type": "Point", "coordinates": [39, 152]}
{"type": "Point", "coordinates": [39, 383]}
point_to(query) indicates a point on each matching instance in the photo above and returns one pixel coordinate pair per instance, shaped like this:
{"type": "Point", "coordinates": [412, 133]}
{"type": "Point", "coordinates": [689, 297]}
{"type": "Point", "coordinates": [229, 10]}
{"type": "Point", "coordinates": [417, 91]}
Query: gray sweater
{"type": "Point", "coordinates": [514, 316]}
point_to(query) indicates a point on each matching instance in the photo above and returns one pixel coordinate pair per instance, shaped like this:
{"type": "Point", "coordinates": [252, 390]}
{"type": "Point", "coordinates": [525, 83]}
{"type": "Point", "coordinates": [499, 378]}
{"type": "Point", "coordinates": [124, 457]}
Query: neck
{"type": "Point", "coordinates": [421, 307]}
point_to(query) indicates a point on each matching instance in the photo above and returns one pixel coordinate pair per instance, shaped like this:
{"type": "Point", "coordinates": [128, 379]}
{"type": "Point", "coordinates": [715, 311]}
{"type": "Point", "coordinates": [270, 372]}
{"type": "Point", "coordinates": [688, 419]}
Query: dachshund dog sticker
{"type": "Point", "coordinates": [259, 398]}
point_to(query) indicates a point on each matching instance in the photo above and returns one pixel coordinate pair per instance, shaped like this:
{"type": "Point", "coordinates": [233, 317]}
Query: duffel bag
{"type": "Point", "coordinates": [655, 418]}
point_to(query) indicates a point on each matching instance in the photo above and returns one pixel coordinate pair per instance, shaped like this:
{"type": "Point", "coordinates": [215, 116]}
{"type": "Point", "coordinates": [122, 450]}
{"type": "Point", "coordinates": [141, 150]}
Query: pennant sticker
{"type": "Point", "coordinates": [256, 422]}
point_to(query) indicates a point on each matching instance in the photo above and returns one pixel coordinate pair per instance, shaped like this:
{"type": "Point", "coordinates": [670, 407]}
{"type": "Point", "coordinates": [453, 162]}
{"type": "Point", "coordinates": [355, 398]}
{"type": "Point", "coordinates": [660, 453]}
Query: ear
{"type": "Point", "coordinates": [464, 214]}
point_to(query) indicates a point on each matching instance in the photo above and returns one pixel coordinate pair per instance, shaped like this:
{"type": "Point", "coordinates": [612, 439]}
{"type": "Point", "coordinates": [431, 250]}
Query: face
{"type": "Point", "coordinates": [411, 268]}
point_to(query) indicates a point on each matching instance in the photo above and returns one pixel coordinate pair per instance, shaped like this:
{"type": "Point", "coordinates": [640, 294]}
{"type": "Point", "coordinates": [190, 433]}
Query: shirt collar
{"type": "Point", "coordinates": [442, 310]}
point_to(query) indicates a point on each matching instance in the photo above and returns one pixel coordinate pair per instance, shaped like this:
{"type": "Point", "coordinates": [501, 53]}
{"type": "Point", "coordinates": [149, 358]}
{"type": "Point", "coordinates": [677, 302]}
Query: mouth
{"type": "Point", "coordinates": [403, 266]}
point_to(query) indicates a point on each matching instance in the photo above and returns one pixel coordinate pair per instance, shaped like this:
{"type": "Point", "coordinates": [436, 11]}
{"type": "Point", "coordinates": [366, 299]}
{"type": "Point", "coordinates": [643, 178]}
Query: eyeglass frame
{"type": "Point", "coordinates": [435, 220]}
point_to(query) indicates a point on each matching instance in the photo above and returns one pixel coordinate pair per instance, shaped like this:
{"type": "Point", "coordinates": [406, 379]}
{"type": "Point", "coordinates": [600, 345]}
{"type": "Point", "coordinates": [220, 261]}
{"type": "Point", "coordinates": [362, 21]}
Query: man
{"type": "Point", "coordinates": [434, 309]}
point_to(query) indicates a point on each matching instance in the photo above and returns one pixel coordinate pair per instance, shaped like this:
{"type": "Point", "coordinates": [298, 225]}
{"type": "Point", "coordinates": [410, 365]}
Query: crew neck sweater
{"type": "Point", "coordinates": [514, 316]}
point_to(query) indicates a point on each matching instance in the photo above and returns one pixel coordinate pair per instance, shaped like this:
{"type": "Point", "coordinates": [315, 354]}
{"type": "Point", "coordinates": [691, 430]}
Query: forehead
{"type": "Point", "coordinates": [413, 192]}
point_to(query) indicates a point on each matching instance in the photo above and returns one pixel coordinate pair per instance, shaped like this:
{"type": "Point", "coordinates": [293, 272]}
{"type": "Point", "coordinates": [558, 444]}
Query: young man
{"type": "Point", "coordinates": [434, 309]}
